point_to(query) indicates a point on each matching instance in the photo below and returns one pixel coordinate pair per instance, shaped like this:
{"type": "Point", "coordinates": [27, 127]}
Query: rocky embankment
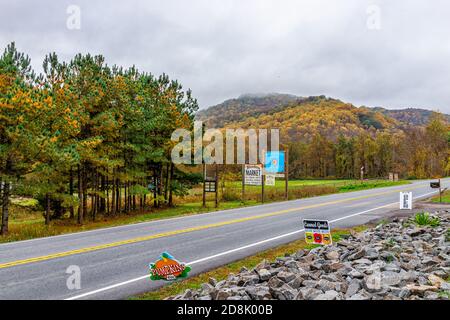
{"type": "Point", "coordinates": [396, 260]}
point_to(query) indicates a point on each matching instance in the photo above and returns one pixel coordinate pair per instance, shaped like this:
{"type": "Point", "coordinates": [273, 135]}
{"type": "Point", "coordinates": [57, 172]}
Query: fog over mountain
{"type": "Point", "coordinates": [375, 53]}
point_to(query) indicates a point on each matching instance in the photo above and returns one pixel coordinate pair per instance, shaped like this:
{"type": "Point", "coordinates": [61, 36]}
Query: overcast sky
{"type": "Point", "coordinates": [387, 53]}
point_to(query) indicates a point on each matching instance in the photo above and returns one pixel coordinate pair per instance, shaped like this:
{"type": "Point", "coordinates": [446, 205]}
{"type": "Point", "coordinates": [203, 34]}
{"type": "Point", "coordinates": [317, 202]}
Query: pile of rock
{"type": "Point", "coordinates": [397, 260]}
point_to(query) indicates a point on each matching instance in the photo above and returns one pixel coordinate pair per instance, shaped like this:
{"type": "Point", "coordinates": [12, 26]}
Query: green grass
{"type": "Point", "coordinates": [424, 219]}
{"type": "Point", "coordinates": [223, 272]}
{"type": "Point", "coordinates": [445, 198]}
{"type": "Point", "coordinates": [356, 186]}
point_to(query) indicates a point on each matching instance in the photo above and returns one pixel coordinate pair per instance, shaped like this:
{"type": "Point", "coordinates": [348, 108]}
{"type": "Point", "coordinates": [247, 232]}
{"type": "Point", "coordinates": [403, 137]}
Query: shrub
{"type": "Point", "coordinates": [424, 219]}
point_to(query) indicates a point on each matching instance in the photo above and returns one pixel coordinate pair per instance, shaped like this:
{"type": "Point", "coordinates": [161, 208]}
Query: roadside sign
{"type": "Point", "coordinates": [274, 162]}
{"type": "Point", "coordinates": [406, 200]}
{"type": "Point", "coordinates": [210, 186]}
{"type": "Point", "coordinates": [435, 185]}
{"type": "Point", "coordinates": [317, 232]}
{"type": "Point", "coordinates": [253, 175]}
{"type": "Point", "coordinates": [168, 268]}
{"type": "Point", "coordinates": [270, 180]}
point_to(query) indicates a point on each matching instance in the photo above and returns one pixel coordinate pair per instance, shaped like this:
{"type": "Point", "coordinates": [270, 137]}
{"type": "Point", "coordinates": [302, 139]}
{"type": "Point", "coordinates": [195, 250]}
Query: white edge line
{"type": "Point", "coordinates": [235, 250]}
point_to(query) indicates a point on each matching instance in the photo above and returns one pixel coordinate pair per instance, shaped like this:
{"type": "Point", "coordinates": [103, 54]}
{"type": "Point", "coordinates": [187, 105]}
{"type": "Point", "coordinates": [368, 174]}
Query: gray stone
{"type": "Point", "coordinates": [332, 255]}
{"type": "Point", "coordinates": [264, 274]}
{"type": "Point", "coordinates": [297, 282]}
{"type": "Point", "coordinates": [326, 285]}
{"type": "Point", "coordinates": [328, 295]}
{"type": "Point", "coordinates": [223, 294]}
{"type": "Point", "coordinates": [357, 255]}
{"type": "Point", "coordinates": [274, 282]}
{"type": "Point", "coordinates": [310, 283]}
{"type": "Point", "coordinates": [372, 283]}
{"type": "Point", "coordinates": [286, 276]}
{"type": "Point", "coordinates": [389, 278]}
{"type": "Point", "coordinates": [309, 293]}
{"type": "Point", "coordinates": [353, 288]}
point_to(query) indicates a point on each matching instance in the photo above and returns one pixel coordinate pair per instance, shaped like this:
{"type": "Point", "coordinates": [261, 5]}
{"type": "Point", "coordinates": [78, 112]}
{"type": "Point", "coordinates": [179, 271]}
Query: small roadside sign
{"type": "Point", "coordinates": [253, 175]}
{"type": "Point", "coordinates": [210, 186]}
{"type": "Point", "coordinates": [406, 200]}
{"type": "Point", "coordinates": [270, 180]}
{"type": "Point", "coordinates": [317, 232]}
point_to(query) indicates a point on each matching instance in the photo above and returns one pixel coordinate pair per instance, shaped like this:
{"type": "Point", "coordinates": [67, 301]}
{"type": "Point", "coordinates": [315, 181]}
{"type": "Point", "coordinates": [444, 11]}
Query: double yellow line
{"type": "Point", "coordinates": [181, 231]}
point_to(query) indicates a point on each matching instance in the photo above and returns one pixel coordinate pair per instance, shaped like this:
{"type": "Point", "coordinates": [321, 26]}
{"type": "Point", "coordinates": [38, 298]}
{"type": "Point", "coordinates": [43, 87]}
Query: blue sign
{"type": "Point", "coordinates": [274, 162]}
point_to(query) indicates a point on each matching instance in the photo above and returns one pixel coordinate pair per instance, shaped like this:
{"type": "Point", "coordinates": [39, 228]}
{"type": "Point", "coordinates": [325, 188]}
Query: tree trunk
{"type": "Point", "coordinates": [113, 194]}
{"type": "Point", "coordinates": [5, 209]}
{"type": "Point", "coordinates": [170, 185]}
{"type": "Point", "coordinates": [47, 209]}
{"type": "Point", "coordinates": [85, 195]}
{"type": "Point", "coordinates": [80, 196]}
{"type": "Point", "coordinates": [72, 211]}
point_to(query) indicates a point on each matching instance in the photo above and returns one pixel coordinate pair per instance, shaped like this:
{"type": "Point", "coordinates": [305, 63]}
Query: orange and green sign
{"type": "Point", "coordinates": [168, 269]}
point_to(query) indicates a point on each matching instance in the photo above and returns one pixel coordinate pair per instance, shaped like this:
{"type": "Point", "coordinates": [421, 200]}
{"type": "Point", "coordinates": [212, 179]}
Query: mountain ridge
{"type": "Point", "coordinates": [256, 105]}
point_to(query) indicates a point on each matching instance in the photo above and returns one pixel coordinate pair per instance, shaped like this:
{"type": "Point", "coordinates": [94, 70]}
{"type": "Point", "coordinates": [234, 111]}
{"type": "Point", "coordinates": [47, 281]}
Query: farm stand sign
{"type": "Point", "coordinates": [168, 269]}
{"type": "Point", "coordinates": [317, 232]}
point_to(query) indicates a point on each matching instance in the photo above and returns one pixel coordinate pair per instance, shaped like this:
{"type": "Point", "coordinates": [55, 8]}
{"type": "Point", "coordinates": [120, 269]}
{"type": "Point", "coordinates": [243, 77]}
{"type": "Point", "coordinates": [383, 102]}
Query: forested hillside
{"type": "Point", "coordinates": [329, 138]}
{"type": "Point", "coordinates": [254, 105]}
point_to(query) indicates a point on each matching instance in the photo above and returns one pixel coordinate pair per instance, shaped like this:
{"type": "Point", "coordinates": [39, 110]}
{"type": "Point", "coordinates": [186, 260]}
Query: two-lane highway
{"type": "Point", "coordinates": [114, 261]}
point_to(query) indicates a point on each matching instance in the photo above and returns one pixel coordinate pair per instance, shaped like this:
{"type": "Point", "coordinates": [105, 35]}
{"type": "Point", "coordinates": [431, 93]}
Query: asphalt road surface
{"type": "Point", "coordinates": [113, 262]}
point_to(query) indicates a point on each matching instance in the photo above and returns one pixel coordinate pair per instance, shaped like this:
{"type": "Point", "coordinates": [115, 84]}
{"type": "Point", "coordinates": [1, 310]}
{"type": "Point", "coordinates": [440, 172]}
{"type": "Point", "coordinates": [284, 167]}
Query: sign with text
{"type": "Point", "coordinates": [210, 186]}
{"type": "Point", "coordinates": [270, 180]}
{"type": "Point", "coordinates": [274, 162]}
{"type": "Point", "coordinates": [253, 175]}
{"type": "Point", "coordinates": [406, 200]}
{"type": "Point", "coordinates": [168, 268]}
{"type": "Point", "coordinates": [317, 232]}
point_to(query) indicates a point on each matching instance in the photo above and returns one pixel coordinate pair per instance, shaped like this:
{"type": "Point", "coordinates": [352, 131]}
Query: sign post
{"type": "Point", "coordinates": [210, 185]}
{"type": "Point", "coordinates": [406, 200]}
{"type": "Point", "coordinates": [204, 183]}
{"type": "Point", "coordinates": [286, 178]}
{"type": "Point", "coordinates": [243, 183]}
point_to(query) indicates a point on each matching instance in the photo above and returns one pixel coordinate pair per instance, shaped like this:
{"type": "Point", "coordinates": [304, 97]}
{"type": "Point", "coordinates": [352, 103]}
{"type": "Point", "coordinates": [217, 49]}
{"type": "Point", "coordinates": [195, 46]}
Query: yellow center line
{"type": "Point", "coordinates": [181, 231]}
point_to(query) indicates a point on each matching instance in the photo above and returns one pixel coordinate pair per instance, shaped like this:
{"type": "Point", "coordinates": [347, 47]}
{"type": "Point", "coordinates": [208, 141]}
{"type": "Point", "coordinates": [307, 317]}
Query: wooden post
{"type": "Point", "coordinates": [286, 172]}
{"type": "Point", "coordinates": [262, 175]}
{"type": "Point", "coordinates": [440, 191]}
{"type": "Point", "coordinates": [243, 183]}
{"type": "Point", "coordinates": [217, 186]}
{"type": "Point", "coordinates": [204, 179]}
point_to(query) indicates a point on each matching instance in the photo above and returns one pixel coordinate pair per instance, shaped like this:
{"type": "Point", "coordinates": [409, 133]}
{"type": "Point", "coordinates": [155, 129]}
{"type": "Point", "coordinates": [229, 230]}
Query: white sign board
{"type": "Point", "coordinates": [253, 175]}
{"type": "Point", "coordinates": [406, 200]}
{"type": "Point", "coordinates": [270, 180]}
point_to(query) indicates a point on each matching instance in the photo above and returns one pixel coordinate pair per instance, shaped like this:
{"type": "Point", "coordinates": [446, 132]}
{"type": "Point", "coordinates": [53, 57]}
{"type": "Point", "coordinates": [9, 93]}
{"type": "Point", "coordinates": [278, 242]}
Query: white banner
{"type": "Point", "coordinates": [253, 175]}
{"type": "Point", "coordinates": [270, 180]}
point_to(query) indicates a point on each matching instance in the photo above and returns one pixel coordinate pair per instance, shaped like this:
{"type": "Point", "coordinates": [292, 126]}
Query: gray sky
{"type": "Point", "coordinates": [387, 53]}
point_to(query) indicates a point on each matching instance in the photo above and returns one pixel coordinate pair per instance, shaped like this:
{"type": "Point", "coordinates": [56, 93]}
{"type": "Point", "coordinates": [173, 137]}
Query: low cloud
{"type": "Point", "coordinates": [221, 49]}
